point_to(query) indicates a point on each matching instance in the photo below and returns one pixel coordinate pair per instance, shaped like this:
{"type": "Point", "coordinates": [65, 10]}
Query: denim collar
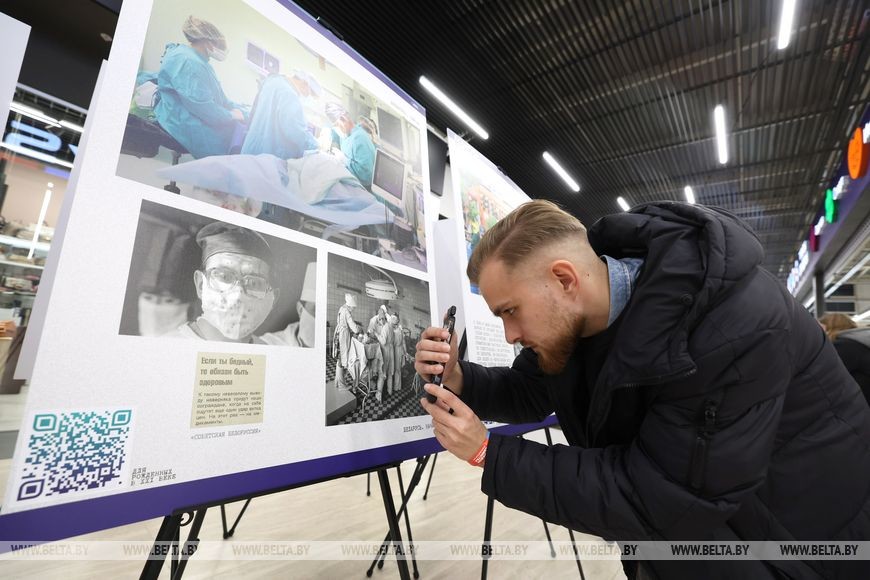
{"type": "Point", "coordinates": [623, 274]}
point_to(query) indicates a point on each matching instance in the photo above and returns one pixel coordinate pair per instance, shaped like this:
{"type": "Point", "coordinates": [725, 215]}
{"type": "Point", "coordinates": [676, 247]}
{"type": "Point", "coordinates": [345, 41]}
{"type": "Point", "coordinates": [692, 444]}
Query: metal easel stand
{"type": "Point", "coordinates": [394, 536]}
{"type": "Point", "coordinates": [431, 471]}
{"type": "Point", "coordinates": [166, 544]}
{"type": "Point", "coordinates": [403, 510]}
{"type": "Point", "coordinates": [229, 532]}
{"type": "Point", "coordinates": [487, 531]}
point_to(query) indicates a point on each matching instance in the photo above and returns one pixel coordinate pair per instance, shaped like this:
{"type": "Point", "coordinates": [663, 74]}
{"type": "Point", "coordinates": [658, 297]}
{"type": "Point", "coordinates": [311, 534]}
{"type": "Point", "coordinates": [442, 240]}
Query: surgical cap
{"type": "Point", "coordinates": [308, 294]}
{"type": "Point", "coordinates": [369, 125]}
{"type": "Point", "coordinates": [350, 300]}
{"type": "Point", "coordinates": [196, 29]}
{"type": "Point", "coordinates": [334, 112]}
{"type": "Point", "coordinates": [316, 90]}
{"type": "Point", "coordinates": [220, 237]}
{"type": "Point", "coordinates": [394, 319]}
{"type": "Point", "coordinates": [384, 308]}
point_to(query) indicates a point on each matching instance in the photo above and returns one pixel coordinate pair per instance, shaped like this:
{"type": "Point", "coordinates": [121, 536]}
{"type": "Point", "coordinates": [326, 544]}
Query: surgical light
{"type": "Point", "coordinates": [622, 203]}
{"type": "Point", "coordinates": [690, 194]}
{"type": "Point", "coordinates": [453, 107]}
{"type": "Point", "coordinates": [785, 22]}
{"type": "Point", "coordinates": [560, 171]}
{"type": "Point", "coordinates": [721, 136]}
{"type": "Point", "coordinates": [381, 289]}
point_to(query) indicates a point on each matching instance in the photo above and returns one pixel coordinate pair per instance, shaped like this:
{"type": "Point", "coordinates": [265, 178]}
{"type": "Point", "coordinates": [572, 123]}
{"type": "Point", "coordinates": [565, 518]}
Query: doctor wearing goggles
{"type": "Point", "coordinates": [235, 289]}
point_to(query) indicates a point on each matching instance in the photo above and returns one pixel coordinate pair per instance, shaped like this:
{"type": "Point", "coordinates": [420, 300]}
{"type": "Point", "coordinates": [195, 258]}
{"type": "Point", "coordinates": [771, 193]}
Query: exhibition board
{"type": "Point", "coordinates": [151, 391]}
{"type": "Point", "coordinates": [129, 402]}
{"type": "Point", "coordinates": [482, 195]}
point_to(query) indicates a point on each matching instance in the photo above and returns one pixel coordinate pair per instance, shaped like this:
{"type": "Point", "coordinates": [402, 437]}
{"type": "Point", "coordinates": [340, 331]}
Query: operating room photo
{"type": "Point", "coordinates": [232, 110]}
{"type": "Point", "coordinates": [373, 319]}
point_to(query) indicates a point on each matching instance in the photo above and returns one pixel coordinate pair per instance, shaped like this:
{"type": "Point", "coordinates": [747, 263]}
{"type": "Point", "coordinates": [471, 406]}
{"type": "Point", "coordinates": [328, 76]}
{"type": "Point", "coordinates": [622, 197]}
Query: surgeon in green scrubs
{"type": "Point", "coordinates": [359, 151]}
{"type": "Point", "coordinates": [191, 104]}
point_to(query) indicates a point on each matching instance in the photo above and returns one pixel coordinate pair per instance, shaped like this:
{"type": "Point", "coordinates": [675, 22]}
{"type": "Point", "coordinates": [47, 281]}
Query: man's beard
{"type": "Point", "coordinates": [564, 335]}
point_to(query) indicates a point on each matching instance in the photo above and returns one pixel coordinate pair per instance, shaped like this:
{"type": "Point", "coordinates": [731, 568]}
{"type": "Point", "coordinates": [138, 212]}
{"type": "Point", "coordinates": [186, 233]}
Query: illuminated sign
{"type": "Point", "coordinates": [859, 152]}
{"type": "Point", "coordinates": [841, 186]}
{"type": "Point", "coordinates": [858, 160]}
{"type": "Point", "coordinates": [39, 143]}
{"type": "Point", "coordinates": [832, 207]}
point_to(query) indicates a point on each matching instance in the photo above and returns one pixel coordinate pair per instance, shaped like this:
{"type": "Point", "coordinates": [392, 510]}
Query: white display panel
{"type": "Point", "coordinates": [482, 196]}
{"type": "Point", "coordinates": [14, 35]}
{"type": "Point", "coordinates": [126, 394]}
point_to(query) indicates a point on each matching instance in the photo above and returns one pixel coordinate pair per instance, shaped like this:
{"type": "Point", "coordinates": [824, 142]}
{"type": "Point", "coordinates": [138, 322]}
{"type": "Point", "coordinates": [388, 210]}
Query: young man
{"type": "Point", "coordinates": [700, 401]}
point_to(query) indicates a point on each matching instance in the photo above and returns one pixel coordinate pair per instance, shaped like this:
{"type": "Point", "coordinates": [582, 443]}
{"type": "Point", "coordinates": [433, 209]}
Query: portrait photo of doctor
{"type": "Point", "coordinates": [200, 279]}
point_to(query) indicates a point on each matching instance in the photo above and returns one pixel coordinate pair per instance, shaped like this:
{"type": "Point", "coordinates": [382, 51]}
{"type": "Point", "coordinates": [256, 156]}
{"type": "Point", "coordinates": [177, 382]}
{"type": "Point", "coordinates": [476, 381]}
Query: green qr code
{"type": "Point", "coordinates": [75, 451]}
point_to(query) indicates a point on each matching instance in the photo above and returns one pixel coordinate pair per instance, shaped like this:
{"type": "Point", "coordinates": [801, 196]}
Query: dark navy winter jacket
{"type": "Point", "coordinates": [718, 411]}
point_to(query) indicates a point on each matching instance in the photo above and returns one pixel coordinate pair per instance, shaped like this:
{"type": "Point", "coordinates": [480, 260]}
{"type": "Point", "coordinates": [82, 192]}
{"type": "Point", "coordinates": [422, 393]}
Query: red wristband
{"type": "Point", "coordinates": [478, 458]}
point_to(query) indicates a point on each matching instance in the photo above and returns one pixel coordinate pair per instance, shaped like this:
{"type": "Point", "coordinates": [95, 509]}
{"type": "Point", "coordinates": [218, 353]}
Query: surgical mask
{"type": "Point", "coordinates": [235, 314]}
{"type": "Point", "coordinates": [306, 325]}
{"type": "Point", "coordinates": [217, 54]}
{"type": "Point", "coordinates": [160, 313]}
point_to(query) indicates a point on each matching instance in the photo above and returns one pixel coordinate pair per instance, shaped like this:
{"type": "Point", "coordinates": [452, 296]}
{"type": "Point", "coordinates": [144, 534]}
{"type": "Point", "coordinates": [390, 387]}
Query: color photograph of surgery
{"type": "Point", "coordinates": [195, 278]}
{"type": "Point", "coordinates": [230, 109]}
{"type": "Point", "coordinates": [373, 318]}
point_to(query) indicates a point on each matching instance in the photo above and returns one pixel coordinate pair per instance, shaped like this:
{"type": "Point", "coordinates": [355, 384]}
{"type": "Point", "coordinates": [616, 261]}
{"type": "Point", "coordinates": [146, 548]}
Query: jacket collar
{"type": "Point", "coordinates": [692, 254]}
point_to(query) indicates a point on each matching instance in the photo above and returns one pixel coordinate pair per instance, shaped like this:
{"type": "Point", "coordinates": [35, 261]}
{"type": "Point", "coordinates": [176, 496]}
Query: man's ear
{"type": "Point", "coordinates": [198, 280]}
{"type": "Point", "coordinates": [566, 275]}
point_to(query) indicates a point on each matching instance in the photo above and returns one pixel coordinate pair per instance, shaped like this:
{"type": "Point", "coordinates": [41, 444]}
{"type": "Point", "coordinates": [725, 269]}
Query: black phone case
{"type": "Point", "coordinates": [449, 324]}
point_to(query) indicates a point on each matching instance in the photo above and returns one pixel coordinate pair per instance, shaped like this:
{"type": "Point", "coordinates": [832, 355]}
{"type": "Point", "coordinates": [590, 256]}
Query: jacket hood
{"type": "Point", "coordinates": [860, 335]}
{"type": "Point", "coordinates": [693, 256]}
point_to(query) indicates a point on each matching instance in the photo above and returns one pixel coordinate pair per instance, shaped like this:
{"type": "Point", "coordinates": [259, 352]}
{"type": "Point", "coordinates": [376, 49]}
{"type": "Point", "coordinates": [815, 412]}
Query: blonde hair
{"type": "Point", "coordinates": [529, 227]}
{"type": "Point", "coordinates": [836, 323]}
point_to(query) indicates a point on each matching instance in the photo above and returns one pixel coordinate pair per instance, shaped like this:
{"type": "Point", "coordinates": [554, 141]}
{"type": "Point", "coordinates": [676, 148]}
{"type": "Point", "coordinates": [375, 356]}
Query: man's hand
{"type": "Point", "coordinates": [461, 433]}
{"type": "Point", "coordinates": [435, 356]}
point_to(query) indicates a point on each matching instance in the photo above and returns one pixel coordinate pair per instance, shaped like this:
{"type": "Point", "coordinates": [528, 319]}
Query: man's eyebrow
{"type": "Point", "coordinates": [497, 310]}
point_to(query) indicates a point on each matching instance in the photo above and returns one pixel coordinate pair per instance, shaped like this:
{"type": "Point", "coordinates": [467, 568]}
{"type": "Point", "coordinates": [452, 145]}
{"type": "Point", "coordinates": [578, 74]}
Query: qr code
{"type": "Point", "coordinates": [74, 451]}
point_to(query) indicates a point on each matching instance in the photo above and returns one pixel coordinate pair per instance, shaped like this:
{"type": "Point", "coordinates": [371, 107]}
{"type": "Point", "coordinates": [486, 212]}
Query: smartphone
{"type": "Point", "coordinates": [449, 324]}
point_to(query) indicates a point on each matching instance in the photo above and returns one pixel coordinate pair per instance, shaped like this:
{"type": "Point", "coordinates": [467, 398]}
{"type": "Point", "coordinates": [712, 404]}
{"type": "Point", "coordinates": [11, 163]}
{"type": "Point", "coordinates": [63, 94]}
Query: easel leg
{"type": "Point", "coordinates": [368, 483]}
{"type": "Point", "coordinates": [576, 554]}
{"type": "Point", "coordinates": [412, 485]}
{"type": "Point", "coordinates": [393, 521]}
{"type": "Point", "coordinates": [431, 471]}
{"type": "Point", "coordinates": [229, 532]}
{"type": "Point", "coordinates": [549, 540]}
{"type": "Point", "coordinates": [167, 531]}
{"type": "Point", "coordinates": [487, 536]}
{"type": "Point", "coordinates": [190, 545]}
{"type": "Point", "coordinates": [407, 521]}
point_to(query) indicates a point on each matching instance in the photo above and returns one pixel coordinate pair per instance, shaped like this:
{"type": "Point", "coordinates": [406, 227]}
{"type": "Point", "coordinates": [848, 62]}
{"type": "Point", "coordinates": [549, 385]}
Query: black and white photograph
{"type": "Point", "coordinates": [374, 318]}
{"type": "Point", "coordinates": [192, 277]}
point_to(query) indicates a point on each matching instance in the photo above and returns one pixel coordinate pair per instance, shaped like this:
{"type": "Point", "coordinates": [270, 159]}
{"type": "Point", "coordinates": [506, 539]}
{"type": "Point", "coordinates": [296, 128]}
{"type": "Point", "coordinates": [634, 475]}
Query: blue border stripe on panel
{"type": "Point", "coordinates": [72, 519]}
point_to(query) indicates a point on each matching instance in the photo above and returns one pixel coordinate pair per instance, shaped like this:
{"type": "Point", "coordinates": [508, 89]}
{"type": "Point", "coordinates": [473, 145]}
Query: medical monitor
{"type": "Point", "coordinates": [388, 178]}
{"type": "Point", "coordinates": [390, 131]}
